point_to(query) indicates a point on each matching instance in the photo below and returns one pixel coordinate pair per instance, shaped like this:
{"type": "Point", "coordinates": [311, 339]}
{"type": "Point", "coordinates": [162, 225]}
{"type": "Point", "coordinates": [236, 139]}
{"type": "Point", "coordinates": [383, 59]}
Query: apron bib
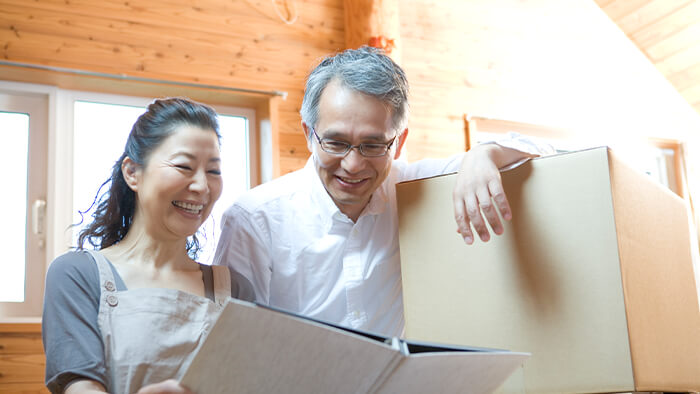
{"type": "Point", "coordinates": [151, 335]}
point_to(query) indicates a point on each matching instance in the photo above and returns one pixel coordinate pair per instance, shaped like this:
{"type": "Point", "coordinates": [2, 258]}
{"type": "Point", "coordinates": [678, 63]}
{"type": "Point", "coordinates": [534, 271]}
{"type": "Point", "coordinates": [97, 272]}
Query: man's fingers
{"type": "Point", "coordinates": [474, 214]}
{"type": "Point", "coordinates": [500, 199]}
{"type": "Point", "coordinates": [463, 226]}
{"type": "Point", "coordinates": [489, 212]}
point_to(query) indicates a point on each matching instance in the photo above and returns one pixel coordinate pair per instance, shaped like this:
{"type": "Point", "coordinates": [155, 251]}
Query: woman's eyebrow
{"type": "Point", "coordinates": [191, 156]}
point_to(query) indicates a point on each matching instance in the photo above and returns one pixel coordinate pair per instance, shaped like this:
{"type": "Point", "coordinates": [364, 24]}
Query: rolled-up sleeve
{"type": "Point", "coordinates": [71, 336]}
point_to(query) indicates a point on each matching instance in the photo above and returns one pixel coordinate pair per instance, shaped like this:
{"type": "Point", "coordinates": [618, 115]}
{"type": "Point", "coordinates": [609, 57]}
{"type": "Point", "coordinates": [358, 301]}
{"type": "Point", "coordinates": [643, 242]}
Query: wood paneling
{"type": "Point", "coordinates": [241, 44]}
{"type": "Point", "coordinates": [21, 358]}
{"type": "Point", "coordinates": [668, 32]}
{"type": "Point", "coordinates": [532, 60]}
{"type": "Point", "coordinates": [564, 64]}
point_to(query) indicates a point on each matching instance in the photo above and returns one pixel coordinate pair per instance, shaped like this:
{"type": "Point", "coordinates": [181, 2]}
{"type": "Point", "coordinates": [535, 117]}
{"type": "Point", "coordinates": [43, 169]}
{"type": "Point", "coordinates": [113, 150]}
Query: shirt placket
{"type": "Point", "coordinates": [353, 272]}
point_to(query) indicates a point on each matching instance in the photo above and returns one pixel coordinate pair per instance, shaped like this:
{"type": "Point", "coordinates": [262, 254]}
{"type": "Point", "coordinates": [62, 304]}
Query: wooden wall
{"type": "Point", "coordinates": [21, 358]}
{"type": "Point", "coordinates": [537, 61]}
{"type": "Point", "coordinates": [549, 62]}
{"type": "Point", "coordinates": [242, 44]}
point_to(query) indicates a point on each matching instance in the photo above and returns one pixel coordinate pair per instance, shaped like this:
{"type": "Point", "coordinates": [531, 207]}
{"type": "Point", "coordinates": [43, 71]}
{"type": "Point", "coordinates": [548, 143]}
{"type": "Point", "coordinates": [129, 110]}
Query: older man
{"type": "Point", "coordinates": [323, 241]}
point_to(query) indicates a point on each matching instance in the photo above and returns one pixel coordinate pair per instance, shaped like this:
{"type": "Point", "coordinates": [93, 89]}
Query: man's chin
{"type": "Point", "coordinates": [350, 200]}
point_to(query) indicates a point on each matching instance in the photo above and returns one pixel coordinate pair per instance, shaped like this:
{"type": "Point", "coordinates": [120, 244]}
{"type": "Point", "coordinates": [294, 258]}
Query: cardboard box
{"type": "Point", "coordinates": [593, 276]}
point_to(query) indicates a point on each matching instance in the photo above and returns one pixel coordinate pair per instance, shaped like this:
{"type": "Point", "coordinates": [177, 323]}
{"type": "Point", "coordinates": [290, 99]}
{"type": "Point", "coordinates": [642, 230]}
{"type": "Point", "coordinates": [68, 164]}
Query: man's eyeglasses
{"type": "Point", "coordinates": [342, 148]}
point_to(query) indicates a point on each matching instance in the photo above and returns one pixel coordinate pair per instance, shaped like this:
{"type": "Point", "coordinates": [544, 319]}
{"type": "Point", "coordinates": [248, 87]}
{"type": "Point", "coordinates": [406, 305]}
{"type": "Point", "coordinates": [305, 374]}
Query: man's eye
{"type": "Point", "coordinates": [215, 172]}
{"type": "Point", "coordinates": [183, 167]}
{"type": "Point", "coordinates": [374, 148]}
{"type": "Point", "coordinates": [335, 145]}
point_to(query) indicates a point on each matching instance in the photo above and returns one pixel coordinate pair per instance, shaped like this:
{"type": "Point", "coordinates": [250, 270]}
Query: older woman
{"type": "Point", "coordinates": [130, 316]}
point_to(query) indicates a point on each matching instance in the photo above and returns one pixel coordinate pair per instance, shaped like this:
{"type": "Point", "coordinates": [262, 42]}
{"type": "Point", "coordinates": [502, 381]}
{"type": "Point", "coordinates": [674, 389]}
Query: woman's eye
{"type": "Point", "coordinates": [182, 167]}
{"type": "Point", "coordinates": [215, 172]}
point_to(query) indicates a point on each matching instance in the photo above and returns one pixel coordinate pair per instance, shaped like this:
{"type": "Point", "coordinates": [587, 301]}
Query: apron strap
{"type": "Point", "coordinates": [104, 269]}
{"type": "Point", "coordinates": [108, 287]}
{"type": "Point", "coordinates": [222, 283]}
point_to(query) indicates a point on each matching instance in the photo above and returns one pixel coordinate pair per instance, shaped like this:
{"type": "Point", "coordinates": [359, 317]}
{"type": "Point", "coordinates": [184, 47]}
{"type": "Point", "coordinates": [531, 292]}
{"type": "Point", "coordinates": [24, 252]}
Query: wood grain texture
{"type": "Point", "coordinates": [241, 44]}
{"type": "Point", "coordinates": [532, 61]}
{"type": "Point", "coordinates": [667, 32]}
{"type": "Point", "coordinates": [20, 343]}
{"type": "Point", "coordinates": [372, 18]}
{"type": "Point", "coordinates": [22, 360]}
{"type": "Point", "coordinates": [23, 388]}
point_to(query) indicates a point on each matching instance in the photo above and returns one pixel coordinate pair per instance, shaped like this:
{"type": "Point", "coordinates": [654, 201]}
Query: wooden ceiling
{"type": "Point", "coordinates": [668, 33]}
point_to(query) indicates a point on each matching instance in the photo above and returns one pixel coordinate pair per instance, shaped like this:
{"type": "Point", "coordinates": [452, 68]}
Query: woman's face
{"type": "Point", "coordinates": [179, 184]}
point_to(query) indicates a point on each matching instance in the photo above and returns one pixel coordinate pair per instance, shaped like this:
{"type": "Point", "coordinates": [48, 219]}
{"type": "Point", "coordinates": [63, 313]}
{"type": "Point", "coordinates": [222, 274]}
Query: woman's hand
{"type": "Point", "coordinates": [170, 386]}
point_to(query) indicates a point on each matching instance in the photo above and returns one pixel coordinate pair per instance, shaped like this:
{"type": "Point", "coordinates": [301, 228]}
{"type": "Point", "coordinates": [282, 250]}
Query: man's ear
{"type": "Point", "coordinates": [399, 144]}
{"type": "Point", "coordinates": [131, 171]}
{"type": "Point", "coordinates": [308, 136]}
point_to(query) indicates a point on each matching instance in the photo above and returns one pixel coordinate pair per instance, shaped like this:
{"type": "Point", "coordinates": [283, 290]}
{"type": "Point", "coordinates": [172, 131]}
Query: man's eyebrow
{"type": "Point", "coordinates": [340, 136]}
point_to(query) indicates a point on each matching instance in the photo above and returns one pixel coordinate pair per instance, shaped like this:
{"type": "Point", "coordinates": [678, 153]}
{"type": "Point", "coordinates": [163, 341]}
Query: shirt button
{"type": "Point", "coordinates": [109, 285]}
{"type": "Point", "coordinates": [112, 300]}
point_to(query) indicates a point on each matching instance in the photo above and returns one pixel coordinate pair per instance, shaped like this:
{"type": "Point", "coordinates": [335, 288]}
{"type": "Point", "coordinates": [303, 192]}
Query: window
{"type": "Point", "coordinates": [660, 159]}
{"type": "Point", "coordinates": [60, 147]}
{"type": "Point", "coordinates": [101, 124]}
{"type": "Point", "coordinates": [23, 115]}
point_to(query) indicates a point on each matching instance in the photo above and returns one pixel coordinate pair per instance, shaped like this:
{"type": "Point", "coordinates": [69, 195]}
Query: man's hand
{"type": "Point", "coordinates": [479, 190]}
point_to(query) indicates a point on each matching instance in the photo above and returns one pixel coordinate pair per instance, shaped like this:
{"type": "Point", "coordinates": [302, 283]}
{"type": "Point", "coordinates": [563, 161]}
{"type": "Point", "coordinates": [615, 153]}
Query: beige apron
{"type": "Point", "coordinates": [151, 335]}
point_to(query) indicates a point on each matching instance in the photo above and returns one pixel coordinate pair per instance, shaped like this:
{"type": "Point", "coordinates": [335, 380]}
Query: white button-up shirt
{"type": "Point", "coordinates": [300, 253]}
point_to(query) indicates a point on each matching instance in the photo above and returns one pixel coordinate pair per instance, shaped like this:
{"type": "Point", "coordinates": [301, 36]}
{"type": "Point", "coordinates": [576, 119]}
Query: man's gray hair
{"type": "Point", "coordinates": [366, 70]}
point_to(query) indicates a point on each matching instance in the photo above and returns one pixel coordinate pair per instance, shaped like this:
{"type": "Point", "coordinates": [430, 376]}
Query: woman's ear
{"type": "Point", "coordinates": [131, 171]}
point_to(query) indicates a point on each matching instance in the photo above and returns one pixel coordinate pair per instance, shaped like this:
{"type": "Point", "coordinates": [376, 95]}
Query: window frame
{"type": "Point", "coordinates": [37, 101]}
{"type": "Point", "coordinates": [59, 198]}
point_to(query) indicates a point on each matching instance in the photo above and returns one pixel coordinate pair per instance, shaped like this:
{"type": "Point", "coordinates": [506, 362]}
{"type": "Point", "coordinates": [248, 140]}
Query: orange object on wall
{"type": "Point", "coordinates": [387, 44]}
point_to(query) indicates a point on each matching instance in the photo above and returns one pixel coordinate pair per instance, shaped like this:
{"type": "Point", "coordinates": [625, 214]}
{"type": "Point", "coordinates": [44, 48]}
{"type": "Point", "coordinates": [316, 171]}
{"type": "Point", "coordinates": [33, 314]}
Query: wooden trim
{"type": "Point", "coordinates": [678, 164]}
{"type": "Point", "coordinates": [475, 124]}
{"type": "Point", "coordinates": [129, 78]}
{"type": "Point", "coordinates": [467, 133]}
{"type": "Point", "coordinates": [20, 327]}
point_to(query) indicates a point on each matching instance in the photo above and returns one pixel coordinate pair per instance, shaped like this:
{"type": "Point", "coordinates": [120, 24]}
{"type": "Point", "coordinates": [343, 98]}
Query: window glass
{"type": "Point", "coordinates": [15, 137]}
{"type": "Point", "coordinates": [100, 134]}
{"type": "Point", "coordinates": [235, 171]}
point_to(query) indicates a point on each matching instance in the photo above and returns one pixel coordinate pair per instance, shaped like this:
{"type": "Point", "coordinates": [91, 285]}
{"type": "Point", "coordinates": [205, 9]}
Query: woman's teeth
{"type": "Point", "coordinates": [192, 208]}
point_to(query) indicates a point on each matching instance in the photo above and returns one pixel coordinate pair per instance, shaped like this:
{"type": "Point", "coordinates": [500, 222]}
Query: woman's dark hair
{"type": "Point", "coordinates": [115, 208]}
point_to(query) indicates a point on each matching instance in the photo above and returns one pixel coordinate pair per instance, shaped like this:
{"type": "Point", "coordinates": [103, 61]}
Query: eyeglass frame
{"type": "Point", "coordinates": [351, 147]}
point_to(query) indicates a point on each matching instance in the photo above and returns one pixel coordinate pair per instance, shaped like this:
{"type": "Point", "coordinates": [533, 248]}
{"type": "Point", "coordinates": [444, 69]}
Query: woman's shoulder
{"type": "Point", "coordinates": [77, 259]}
{"type": "Point", "coordinates": [76, 265]}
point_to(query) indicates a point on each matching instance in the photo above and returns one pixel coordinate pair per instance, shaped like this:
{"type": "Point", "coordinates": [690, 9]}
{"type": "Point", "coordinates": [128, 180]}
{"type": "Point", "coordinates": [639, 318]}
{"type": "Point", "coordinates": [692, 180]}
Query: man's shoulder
{"type": "Point", "coordinates": [274, 192]}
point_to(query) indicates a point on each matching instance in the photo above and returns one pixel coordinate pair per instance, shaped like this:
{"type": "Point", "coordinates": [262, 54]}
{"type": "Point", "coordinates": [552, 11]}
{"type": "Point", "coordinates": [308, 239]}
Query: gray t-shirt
{"type": "Point", "coordinates": [72, 340]}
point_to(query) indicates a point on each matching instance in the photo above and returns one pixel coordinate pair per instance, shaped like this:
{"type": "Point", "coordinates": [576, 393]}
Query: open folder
{"type": "Point", "coordinates": [256, 349]}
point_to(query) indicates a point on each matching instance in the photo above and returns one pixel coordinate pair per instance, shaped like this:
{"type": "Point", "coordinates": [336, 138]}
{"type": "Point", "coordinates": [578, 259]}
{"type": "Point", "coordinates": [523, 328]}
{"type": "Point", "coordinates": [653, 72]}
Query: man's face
{"type": "Point", "coordinates": [349, 116]}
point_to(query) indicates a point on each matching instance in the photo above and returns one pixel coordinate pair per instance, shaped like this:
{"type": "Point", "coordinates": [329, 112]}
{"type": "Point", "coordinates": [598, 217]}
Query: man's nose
{"type": "Point", "coordinates": [354, 161]}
